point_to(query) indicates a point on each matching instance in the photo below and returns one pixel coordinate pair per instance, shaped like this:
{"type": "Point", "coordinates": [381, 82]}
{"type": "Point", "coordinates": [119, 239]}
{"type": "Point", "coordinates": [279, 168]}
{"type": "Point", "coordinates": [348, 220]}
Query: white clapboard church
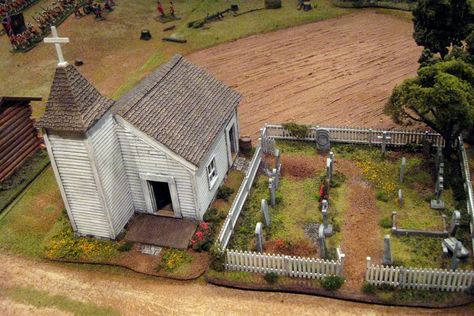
{"type": "Point", "coordinates": [163, 148]}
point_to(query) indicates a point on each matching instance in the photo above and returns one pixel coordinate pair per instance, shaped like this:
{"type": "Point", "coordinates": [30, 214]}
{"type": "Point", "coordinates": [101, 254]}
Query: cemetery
{"type": "Point", "coordinates": [293, 215]}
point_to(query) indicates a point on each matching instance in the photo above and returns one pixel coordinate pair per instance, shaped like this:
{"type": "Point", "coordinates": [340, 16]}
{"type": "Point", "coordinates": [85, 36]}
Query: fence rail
{"type": "Point", "coordinates": [420, 279]}
{"type": "Point", "coordinates": [352, 135]}
{"type": "Point", "coordinates": [238, 203]}
{"type": "Point", "coordinates": [311, 268]}
{"type": "Point", "coordinates": [466, 174]}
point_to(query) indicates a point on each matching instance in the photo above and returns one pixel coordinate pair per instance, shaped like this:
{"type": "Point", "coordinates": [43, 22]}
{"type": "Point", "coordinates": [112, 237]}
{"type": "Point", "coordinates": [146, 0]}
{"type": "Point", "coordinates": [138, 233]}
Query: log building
{"type": "Point", "coordinates": [19, 138]}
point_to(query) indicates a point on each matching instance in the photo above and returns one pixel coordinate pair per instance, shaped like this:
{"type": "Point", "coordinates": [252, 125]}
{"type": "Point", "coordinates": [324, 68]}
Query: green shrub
{"type": "Point", "coordinates": [126, 246]}
{"type": "Point", "coordinates": [337, 179]}
{"type": "Point", "coordinates": [368, 288]}
{"type": "Point", "coordinates": [385, 222]}
{"type": "Point", "coordinates": [382, 196]}
{"type": "Point", "coordinates": [297, 130]}
{"type": "Point", "coordinates": [386, 287]}
{"type": "Point", "coordinates": [470, 290]}
{"type": "Point", "coordinates": [332, 282]}
{"type": "Point", "coordinates": [217, 258]}
{"type": "Point", "coordinates": [202, 238]}
{"type": "Point", "coordinates": [224, 193]}
{"type": "Point", "coordinates": [271, 277]}
{"type": "Point", "coordinates": [213, 216]}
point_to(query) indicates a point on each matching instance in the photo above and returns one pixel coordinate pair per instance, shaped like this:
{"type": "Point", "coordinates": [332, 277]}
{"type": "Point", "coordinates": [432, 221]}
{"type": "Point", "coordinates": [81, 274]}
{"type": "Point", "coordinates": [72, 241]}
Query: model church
{"type": "Point", "coordinates": [163, 148]}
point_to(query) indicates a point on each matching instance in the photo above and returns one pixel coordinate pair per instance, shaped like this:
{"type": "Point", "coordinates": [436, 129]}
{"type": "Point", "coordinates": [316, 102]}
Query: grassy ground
{"type": "Point", "coordinates": [297, 207]}
{"type": "Point", "coordinates": [25, 225]}
{"type": "Point", "coordinates": [14, 184]}
{"type": "Point", "coordinates": [115, 59]}
{"type": "Point", "coordinates": [41, 299]}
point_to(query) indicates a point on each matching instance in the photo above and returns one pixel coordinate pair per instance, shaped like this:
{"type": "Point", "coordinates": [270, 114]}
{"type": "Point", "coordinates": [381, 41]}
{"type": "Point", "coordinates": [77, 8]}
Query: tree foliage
{"type": "Point", "coordinates": [441, 23]}
{"type": "Point", "coordinates": [442, 96]}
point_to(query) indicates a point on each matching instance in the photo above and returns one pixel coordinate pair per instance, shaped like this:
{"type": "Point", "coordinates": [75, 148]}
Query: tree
{"type": "Point", "coordinates": [441, 23]}
{"type": "Point", "coordinates": [442, 96]}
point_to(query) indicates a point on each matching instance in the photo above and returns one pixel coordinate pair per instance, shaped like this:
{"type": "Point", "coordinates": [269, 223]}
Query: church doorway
{"type": "Point", "coordinates": [161, 198]}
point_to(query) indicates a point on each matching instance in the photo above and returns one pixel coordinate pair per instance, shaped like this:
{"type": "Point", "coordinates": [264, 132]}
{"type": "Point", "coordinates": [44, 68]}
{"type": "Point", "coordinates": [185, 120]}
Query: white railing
{"type": "Point", "coordinates": [238, 203]}
{"type": "Point", "coordinates": [353, 135]}
{"type": "Point", "coordinates": [311, 268]}
{"type": "Point", "coordinates": [466, 174]}
{"type": "Point", "coordinates": [419, 278]}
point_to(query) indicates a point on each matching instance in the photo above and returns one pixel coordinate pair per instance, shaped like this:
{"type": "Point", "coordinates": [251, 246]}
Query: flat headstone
{"type": "Point", "coordinates": [323, 142]}
{"type": "Point", "coordinates": [387, 251]}
{"type": "Point", "coordinates": [451, 242]}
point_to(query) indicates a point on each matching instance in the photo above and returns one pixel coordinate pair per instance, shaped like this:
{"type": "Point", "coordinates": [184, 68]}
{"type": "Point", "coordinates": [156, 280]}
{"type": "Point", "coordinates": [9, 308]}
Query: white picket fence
{"type": "Point", "coordinates": [353, 135]}
{"type": "Point", "coordinates": [419, 278]}
{"type": "Point", "coordinates": [239, 201]}
{"type": "Point", "coordinates": [311, 268]}
{"type": "Point", "coordinates": [466, 173]}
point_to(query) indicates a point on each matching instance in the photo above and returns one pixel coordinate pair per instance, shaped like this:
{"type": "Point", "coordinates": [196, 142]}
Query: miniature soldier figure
{"type": "Point", "coordinates": [77, 12]}
{"type": "Point", "coordinates": [171, 8]}
{"type": "Point", "coordinates": [159, 8]}
{"type": "Point", "coordinates": [98, 11]}
{"type": "Point", "coordinates": [108, 5]}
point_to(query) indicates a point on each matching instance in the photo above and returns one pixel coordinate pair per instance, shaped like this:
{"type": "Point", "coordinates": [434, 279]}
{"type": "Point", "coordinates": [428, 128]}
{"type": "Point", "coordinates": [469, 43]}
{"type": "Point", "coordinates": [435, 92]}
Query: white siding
{"type": "Point", "coordinates": [108, 160]}
{"type": "Point", "coordinates": [205, 195]}
{"type": "Point", "coordinates": [140, 157]}
{"type": "Point", "coordinates": [77, 178]}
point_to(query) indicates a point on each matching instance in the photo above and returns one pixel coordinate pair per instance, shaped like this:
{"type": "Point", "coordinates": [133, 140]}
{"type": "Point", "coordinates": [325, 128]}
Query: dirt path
{"type": "Point", "coordinates": [133, 294]}
{"type": "Point", "coordinates": [339, 71]}
{"type": "Point", "coordinates": [361, 233]}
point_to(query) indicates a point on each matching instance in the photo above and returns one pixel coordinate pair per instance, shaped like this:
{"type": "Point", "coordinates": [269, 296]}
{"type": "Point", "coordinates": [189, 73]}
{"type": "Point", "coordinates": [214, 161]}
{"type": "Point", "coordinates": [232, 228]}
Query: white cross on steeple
{"type": "Point", "coordinates": [57, 41]}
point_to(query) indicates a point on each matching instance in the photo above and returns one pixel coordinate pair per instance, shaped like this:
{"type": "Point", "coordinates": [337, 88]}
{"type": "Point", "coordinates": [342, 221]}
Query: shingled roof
{"type": "Point", "coordinates": [74, 104]}
{"type": "Point", "coordinates": [180, 106]}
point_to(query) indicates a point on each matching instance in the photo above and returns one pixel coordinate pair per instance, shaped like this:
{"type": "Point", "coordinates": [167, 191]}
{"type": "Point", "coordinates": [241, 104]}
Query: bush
{"type": "Point", "coordinates": [217, 258]}
{"type": "Point", "coordinates": [271, 277]}
{"type": "Point", "coordinates": [202, 238]}
{"type": "Point", "coordinates": [298, 131]}
{"type": "Point", "coordinates": [470, 290]}
{"type": "Point", "coordinates": [332, 282]}
{"type": "Point", "coordinates": [386, 287]}
{"type": "Point", "coordinates": [126, 246]}
{"type": "Point", "coordinates": [224, 193]}
{"type": "Point", "coordinates": [382, 196]}
{"type": "Point", "coordinates": [172, 259]}
{"type": "Point", "coordinates": [385, 222]}
{"type": "Point", "coordinates": [368, 288]}
{"type": "Point", "coordinates": [213, 216]}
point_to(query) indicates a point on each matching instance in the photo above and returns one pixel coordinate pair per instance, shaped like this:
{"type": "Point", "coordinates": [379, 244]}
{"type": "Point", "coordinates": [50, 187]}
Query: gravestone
{"type": "Point", "coordinates": [278, 160]}
{"type": "Point", "coordinates": [329, 169]}
{"type": "Point", "coordinates": [276, 178]}
{"type": "Point", "coordinates": [259, 237]}
{"type": "Point", "coordinates": [437, 203]}
{"type": "Point", "coordinates": [327, 227]}
{"type": "Point", "coordinates": [322, 241]}
{"type": "Point", "coordinates": [394, 220]}
{"type": "Point", "coordinates": [445, 250]}
{"type": "Point", "coordinates": [400, 198]}
{"type": "Point", "coordinates": [271, 189]}
{"type": "Point", "coordinates": [266, 214]}
{"type": "Point", "coordinates": [455, 222]}
{"type": "Point", "coordinates": [387, 251]}
{"type": "Point", "coordinates": [451, 243]}
{"type": "Point", "coordinates": [456, 255]}
{"type": "Point", "coordinates": [402, 169]}
{"type": "Point", "coordinates": [384, 139]}
{"type": "Point", "coordinates": [441, 169]}
{"type": "Point", "coordinates": [323, 144]}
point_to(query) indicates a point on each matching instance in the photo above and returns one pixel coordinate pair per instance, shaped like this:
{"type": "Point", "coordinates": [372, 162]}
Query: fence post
{"type": "Point", "coordinates": [370, 137]}
{"type": "Point", "coordinates": [286, 265]}
{"type": "Point", "coordinates": [369, 263]}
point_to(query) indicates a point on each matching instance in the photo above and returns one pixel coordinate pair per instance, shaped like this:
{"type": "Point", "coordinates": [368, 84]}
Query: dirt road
{"type": "Point", "coordinates": [133, 294]}
{"type": "Point", "coordinates": [339, 71]}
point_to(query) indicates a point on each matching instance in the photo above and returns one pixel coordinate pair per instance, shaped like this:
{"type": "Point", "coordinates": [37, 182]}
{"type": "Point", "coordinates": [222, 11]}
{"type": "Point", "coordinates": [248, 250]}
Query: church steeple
{"type": "Point", "coordinates": [73, 105]}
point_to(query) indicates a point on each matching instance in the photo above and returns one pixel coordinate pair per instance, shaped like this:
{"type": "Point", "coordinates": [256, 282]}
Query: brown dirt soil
{"type": "Point", "coordinates": [339, 71]}
{"type": "Point", "coordinates": [133, 294]}
{"type": "Point", "coordinates": [302, 248]}
{"type": "Point", "coordinates": [302, 167]}
{"type": "Point", "coordinates": [361, 236]}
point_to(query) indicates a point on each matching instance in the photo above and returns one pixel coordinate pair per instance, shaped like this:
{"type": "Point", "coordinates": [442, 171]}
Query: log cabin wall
{"type": "Point", "coordinates": [19, 138]}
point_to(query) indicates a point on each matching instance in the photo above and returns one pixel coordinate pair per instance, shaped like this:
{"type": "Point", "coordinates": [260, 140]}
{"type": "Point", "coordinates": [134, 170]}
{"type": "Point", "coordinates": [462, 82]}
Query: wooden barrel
{"type": "Point", "coordinates": [245, 144]}
{"type": "Point", "coordinates": [145, 35]}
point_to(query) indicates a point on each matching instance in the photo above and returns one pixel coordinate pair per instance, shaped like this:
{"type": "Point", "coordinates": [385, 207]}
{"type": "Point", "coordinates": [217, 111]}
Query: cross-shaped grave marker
{"type": "Point", "coordinates": [57, 41]}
